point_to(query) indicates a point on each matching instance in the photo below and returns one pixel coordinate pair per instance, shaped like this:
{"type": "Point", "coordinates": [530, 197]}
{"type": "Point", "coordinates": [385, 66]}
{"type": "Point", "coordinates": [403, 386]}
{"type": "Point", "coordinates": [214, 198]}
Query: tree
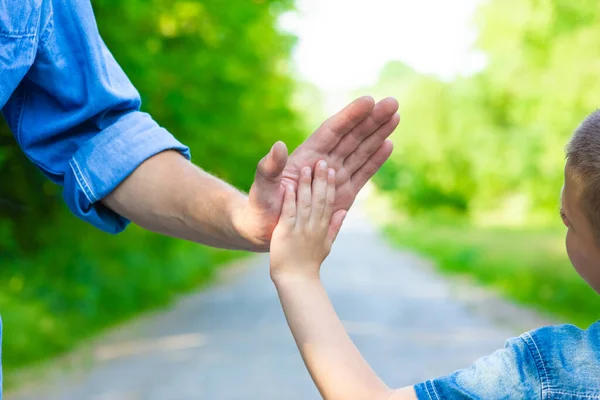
{"type": "Point", "coordinates": [216, 76]}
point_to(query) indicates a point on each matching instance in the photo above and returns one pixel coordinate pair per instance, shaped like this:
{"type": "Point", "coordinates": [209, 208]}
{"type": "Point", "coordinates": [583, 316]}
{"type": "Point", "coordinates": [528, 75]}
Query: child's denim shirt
{"type": "Point", "coordinates": [557, 362]}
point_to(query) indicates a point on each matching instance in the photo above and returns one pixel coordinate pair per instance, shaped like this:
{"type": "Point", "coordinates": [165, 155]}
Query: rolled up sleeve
{"type": "Point", "coordinates": [77, 116]}
{"type": "Point", "coordinates": [109, 157]}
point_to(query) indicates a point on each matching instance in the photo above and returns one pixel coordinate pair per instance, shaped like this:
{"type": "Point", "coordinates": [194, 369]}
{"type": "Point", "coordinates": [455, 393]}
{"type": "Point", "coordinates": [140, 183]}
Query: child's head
{"type": "Point", "coordinates": [581, 200]}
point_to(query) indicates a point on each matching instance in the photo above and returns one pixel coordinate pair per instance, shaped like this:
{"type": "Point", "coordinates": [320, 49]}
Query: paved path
{"type": "Point", "coordinates": [231, 341]}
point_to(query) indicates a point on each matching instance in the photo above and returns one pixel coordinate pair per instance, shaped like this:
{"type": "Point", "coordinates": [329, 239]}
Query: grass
{"type": "Point", "coordinates": [35, 332]}
{"type": "Point", "coordinates": [528, 266]}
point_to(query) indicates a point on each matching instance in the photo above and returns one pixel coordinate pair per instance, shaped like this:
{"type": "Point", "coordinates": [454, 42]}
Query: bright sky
{"type": "Point", "coordinates": [344, 43]}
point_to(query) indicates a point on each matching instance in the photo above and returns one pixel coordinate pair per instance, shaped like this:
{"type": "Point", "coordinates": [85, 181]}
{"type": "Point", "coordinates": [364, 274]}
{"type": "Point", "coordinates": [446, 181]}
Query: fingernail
{"type": "Point", "coordinates": [306, 171]}
{"type": "Point", "coordinates": [331, 172]}
{"type": "Point", "coordinates": [322, 164]}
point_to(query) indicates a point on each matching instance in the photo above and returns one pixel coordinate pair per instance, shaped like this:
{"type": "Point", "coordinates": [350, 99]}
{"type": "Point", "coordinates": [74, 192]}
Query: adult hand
{"type": "Point", "coordinates": [353, 142]}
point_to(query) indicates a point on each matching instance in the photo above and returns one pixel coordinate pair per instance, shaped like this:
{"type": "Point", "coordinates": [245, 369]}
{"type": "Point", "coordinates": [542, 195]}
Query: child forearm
{"type": "Point", "coordinates": [301, 241]}
{"type": "Point", "coordinates": [335, 364]}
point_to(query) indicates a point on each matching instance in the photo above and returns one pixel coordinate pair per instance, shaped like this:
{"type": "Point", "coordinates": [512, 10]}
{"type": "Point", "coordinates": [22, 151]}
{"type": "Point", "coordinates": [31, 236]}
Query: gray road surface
{"type": "Point", "coordinates": [231, 341]}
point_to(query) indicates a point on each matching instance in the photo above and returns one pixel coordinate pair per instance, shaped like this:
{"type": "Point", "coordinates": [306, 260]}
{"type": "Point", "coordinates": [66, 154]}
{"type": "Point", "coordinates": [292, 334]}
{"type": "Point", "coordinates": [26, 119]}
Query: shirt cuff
{"type": "Point", "coordinates": [104, 161]}
{"type": "Point", "coordinates": [426, 391]}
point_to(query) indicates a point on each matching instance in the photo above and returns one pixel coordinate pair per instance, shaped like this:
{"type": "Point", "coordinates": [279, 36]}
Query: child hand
{"type": "Point", "coordinates": [307, 228]}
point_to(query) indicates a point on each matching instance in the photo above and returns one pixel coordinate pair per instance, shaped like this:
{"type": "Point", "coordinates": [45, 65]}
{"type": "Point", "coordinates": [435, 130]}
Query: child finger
{"type": "Point", "coordinates": [330, 199]}
{"type": "Point", "coordinates": [304, 196]}
{"type": "Point", "coordinates": [319, 191]}
{"type": "Point", "coordinates": [288, 211]}
{"type": "Point", "coordinates": [336, 224]}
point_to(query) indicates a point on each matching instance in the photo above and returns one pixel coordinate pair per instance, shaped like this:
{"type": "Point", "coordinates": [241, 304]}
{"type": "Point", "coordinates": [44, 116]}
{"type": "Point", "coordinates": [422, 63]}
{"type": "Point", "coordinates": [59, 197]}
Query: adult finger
{"type": "Point", "coordinates": [267, 180]}
{"type": "Point", "coordinates": [329, 134]}
{"type": "Point", "coordinates": [369, 146]}
{"type": "Point", "coordinates": [383, 112]}
{"type": "Point", "coordinates": [372, 165]}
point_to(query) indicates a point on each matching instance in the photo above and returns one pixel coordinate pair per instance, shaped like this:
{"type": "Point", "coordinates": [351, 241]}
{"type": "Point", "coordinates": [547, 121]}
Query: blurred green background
{"type": "Point", "coordinates": [478, 164]}
{"type": "Point", "coordinates": [474, 180]}
{"type": "Point", "coordinates": [215, 76]}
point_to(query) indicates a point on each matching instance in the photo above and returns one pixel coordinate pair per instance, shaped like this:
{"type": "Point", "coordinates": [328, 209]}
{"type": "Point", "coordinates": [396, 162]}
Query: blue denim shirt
{"type": "Point", "coordinates": [71, 108]}
{"type": "Point", "coordinates": [557, 362]}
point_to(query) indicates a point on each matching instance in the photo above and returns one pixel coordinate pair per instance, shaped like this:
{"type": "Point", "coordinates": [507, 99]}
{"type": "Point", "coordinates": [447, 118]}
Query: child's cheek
{"type": "Point", "coordinates": [574, 251]}
{"type": "Point", "coordinates": [585, 260]}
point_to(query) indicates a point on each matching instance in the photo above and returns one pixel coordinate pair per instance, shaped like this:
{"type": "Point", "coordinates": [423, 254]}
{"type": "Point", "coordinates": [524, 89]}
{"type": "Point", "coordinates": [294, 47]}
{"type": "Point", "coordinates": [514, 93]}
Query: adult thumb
{"type": "Point", "coordinates": [268, 173]}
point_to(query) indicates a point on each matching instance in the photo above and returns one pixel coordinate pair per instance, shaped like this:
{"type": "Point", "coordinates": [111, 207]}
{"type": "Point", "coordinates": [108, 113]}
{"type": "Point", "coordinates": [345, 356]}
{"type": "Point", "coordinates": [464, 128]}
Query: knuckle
{"type": "Point", "coordinates": [260, 164]}
{"type": "Point", "coordinates": [356, 140]}
{"type": "Point", "coordinates": [371, 168]}
{"type": "Point", "coordinates": [312, 228]}
{"type": "Point", "coordinates": [305, 205]}
{"type": "Point", "coordinates": [364, 151]}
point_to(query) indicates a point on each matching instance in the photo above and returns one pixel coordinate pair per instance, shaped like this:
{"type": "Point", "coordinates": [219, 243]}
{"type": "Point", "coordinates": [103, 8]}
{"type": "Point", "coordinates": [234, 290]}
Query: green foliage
{"type": "Point", "coordinates": [488, 149]}
{"type": "Point", "coordinates": [500, 132]}
{"type": "Point", "coordinates": [529, 266]}
{"type": "Point", "coordinates": [215, 75]}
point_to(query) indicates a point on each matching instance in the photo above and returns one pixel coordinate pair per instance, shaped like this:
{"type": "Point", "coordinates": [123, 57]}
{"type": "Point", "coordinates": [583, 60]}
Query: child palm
{"type": "Point", "coordinates": [307, 226]}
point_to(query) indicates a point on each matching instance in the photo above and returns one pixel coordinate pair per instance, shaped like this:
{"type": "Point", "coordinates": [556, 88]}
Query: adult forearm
{"type": "Point", "coordinates": [168, 194]}
{"type": "Point", "coordinates": [335, 364]}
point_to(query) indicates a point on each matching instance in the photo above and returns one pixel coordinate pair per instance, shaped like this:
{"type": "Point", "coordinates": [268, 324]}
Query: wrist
{"type": "Point", "coordinates": [283, 279]}
{"type": "Point", "coordinates": [242, 221]}
{"type": "Point", "coordinates": [223, 222]}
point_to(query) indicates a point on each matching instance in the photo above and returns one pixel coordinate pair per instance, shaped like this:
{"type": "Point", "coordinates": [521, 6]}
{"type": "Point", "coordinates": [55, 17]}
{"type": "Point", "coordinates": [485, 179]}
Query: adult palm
{"type": "Point", "coordinates": [353, 142]}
